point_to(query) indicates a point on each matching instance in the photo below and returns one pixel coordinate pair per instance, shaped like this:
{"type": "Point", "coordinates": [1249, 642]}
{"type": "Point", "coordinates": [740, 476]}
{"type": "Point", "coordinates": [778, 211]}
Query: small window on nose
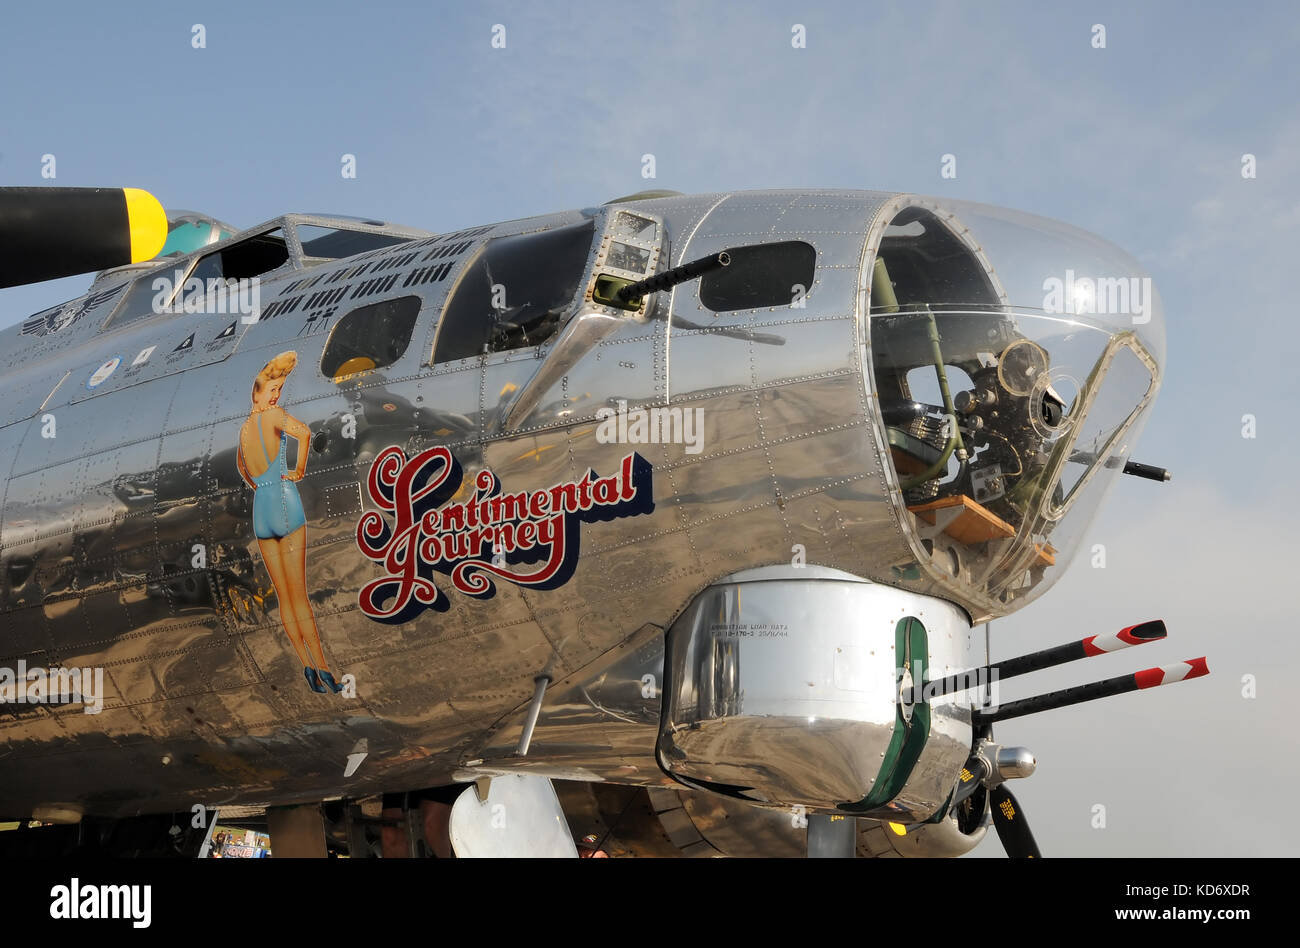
{"type": "Point", "coordinates": [761, 275]}
{"type": "Point", "coordinates": [370, 337]}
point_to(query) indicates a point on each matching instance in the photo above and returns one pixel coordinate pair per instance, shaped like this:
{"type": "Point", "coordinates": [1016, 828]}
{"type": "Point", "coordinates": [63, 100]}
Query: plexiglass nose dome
{"type": "Point", "coordinates": [1013, 359]}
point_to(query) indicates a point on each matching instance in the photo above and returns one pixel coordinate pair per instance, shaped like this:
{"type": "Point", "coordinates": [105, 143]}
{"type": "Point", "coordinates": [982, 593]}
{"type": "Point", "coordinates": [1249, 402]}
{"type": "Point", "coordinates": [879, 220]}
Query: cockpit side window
{"type": "Point", "coordinates": [244, 260]}
{"type": "Point", "coordinates": [157, 292]}
{"type": "Point", "coordinates": [761, 275]}
{"type": "Point", "coordinates": [370, 337]}
{"type": "Point", "coordinates": [149, 295]}
{"type": "Point", "coordinates": [515, 292]}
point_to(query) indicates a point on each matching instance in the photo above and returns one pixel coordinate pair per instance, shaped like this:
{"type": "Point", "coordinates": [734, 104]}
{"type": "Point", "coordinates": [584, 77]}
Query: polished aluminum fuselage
{"type": "Point", "coordinates": [126, 539]}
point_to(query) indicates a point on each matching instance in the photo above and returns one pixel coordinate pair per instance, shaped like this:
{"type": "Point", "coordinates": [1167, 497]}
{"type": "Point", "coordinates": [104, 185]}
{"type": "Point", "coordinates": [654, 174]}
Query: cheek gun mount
{"type": "Point", "coordinates": [613, 291]}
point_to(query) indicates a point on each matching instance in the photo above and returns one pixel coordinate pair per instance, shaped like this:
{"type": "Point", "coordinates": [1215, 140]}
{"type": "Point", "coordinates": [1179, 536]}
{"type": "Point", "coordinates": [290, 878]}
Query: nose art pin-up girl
{"type": "Point", "coordinates": [278, 519]}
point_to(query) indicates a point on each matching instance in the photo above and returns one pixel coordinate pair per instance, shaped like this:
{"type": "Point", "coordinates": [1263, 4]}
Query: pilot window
{"type": "Point", "coordinates": [150, 294]}
{"type": "Point", "coordinates": [244, 260]}
{"type": "Point", "coordinates": [157, 293]}
{"type": "Point", "coordinates": [370, 337]}
{"type": "Point", "coordinates": [515, 292]}
{"type": "Point", "coordinates": [330, 243]}
{"type": "Point", "coordinates": [760, 275]}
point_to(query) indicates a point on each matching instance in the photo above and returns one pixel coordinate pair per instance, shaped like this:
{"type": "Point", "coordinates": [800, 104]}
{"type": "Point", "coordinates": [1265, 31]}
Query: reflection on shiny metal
{"type": "Point", "coordinates": [922, 840]}
{"type": "Point", "coordinates": [1015, 762]}
{"type": "Point", "coordinates": [706, 824]}
{"type": "Point", "coordinates": [1004, 763]}
{"type": "Point", "coordinates": [580, 335]}
{"type": "Point", "coordinates": [782, 686]}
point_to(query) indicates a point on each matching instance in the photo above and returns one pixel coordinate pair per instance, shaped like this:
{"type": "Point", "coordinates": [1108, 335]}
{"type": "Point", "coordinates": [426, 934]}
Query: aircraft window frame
{"type": "Point", "coordinates": [466, 269]}
{"type": "Point", "coordinates": [187, 266]}
{"type": "Point", "coordinates": [173, 266]}
{"type": "Point", "coordinates": [406, 347]}
{"type": "Point", "coordinates": [1049, 510]}
{"type": "Point", "coordinates": [470, 270]}
{"type": "Point", "coordinates": [214, 250]}
{"type": "Point", "coordinates": [720, 291]}
{"type": "Point", "coordinates": [395, 240]}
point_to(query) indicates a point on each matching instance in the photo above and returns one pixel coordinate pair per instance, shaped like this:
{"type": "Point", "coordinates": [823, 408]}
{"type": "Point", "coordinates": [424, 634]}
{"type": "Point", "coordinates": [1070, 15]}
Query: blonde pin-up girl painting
{"type": "Point", "coordinates": [278, 519]}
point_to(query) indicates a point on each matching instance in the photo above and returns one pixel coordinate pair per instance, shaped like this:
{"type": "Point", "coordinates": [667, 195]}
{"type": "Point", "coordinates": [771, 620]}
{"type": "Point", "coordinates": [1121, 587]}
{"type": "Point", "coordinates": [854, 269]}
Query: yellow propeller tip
{"type": "Point", "coordinates": [148, 223]}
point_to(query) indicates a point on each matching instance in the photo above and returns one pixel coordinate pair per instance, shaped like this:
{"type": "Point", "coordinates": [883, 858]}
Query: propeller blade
{"type": "Point", "coordinates": [1013, 830]}
{"type": "Point", "coordinates": [47, 233]}
{"type": "Point", "coordinates": [832, 837]}
{"type": "Point", "coordinates": [970, 779]}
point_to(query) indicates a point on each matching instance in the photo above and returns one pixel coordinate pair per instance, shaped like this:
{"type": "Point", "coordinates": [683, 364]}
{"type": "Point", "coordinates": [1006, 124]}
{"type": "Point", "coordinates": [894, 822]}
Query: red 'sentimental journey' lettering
{"type": "Point", "coordinates": [491, 535]}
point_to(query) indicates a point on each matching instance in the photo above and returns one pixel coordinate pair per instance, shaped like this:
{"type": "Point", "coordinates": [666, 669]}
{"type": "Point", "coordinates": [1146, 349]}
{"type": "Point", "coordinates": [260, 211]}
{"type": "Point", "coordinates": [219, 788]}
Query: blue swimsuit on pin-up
{"type": "Point", "coordinates": [277, 508]}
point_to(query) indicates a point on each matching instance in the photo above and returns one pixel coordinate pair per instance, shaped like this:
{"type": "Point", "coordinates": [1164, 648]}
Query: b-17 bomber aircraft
{"type": "Point", "coordinates": [670, 523]}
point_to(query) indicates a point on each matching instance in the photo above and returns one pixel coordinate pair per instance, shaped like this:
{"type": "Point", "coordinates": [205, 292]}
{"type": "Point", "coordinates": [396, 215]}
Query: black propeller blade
{"type": "Point", "coordinates": [971, 779]}
{"type": "Point", "coordinates": [1010, 822]}
{"type": "Point", "coordinates": [832, 837]}
{"type": "Point", "coordinates": [47, 233]}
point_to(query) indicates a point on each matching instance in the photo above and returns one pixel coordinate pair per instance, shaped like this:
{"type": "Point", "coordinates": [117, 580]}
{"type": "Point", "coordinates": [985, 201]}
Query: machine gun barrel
{"type": "Point", "coordinates": [1146, 470]}
{"type": "Point", "coordinates": [1149, 471]}
{"type": "Point", "coordinates": [1138, 634]}
{"type": "Point", "coordinates": [670, 278]}
{"type": "Point", "coordinates": [1120, 684]}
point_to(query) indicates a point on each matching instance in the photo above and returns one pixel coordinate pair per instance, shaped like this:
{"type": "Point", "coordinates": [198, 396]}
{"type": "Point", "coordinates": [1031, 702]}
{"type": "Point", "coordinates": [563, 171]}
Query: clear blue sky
{"type": "Point", "coordinates": [1141, 142]}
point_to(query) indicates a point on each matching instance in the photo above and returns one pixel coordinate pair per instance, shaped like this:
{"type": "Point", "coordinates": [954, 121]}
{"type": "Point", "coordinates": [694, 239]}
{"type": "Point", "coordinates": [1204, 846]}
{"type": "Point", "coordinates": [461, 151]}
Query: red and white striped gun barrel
{"type": "Point", "coordinates": [1147, 678]}
{"type": "Point", "coordinates": [1100, 644]}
